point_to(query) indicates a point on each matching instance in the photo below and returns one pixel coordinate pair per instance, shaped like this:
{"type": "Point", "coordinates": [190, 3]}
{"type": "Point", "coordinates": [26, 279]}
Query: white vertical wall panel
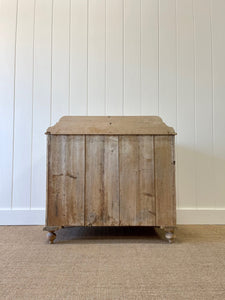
{"type": "Point", "coordinates": [149, 57]}
{"type": "Point", "coordinates": [60, 59]}
{"type": "Point", "coordinates": [23, 105]}
{"type": "Point", "coordinates": [218, 60]}
{"type": "Point", "coordinates": [185, 104]}
{"type": "Point", "coordinates": [204, 115]}
{"type": "Point", "coordinates": [96, 57]}
{"type": "Point", "coordinates": [114, 57]}
{"type": "Point", "coordinates": [41, 99]}
{"type": "Point", "coordinates": [167, 105]}
{"type": "Point", "coordinates": [167, 61]}
{"type": "Point", "coordinates": [8, 13]}
{"type": "Point", "coordinates": [78, 57]}
{"type": "Point", "coordinates": [132, 55]}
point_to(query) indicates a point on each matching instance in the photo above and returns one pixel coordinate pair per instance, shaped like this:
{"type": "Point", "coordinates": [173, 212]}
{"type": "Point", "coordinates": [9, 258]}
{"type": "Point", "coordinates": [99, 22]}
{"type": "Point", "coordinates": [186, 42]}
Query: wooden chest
{"type": "Point", "coordinates": [110, 171]}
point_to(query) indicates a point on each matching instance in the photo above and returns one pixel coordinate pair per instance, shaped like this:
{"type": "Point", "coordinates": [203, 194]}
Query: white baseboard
{"type": "Point", "coordinates": [184, 216]}
{"type": "Point", "coordinates": [201, 216]}
{"type": "Point", "coordinates": [22, 217]}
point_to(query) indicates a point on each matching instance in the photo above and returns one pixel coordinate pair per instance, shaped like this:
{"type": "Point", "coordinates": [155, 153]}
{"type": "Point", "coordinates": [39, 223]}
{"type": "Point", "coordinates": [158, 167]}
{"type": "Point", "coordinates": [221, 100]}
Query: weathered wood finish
{"type": "Point", "coordinates": [137, 201]}
{"type": "Point", "coordinates": [66, 169]}
{"type": "Point", "coordinates": [110, 180]}
{"type": "Point", "coordinates": [102, 189]}
{"type": "Point", "coordinates": [128, 154]}
{"type": "Point", "coordinates": [165, 181]}
{"type": "Point", "coordinates": [111, 125]}
{"type": "Point", "coordinates": [145, 206]}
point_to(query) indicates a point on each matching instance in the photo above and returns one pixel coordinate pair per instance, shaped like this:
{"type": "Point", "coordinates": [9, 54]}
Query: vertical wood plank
{"type": "Point", "coordinates": [94, 187]}
{"type": "Point", "coordinates": [128, 162]}
{"type": "Point", "coordinates": [102, 189]}
{"type": "Point", "coordinates": [60, 59]}
{"type": "Point", "coordinates": [132, 83]}
{"type": "Point", "coordinates": [145, 205]}
{"type": "Point", "coordinates": [8, 16]}
{"type": "Point", "coordinates": [23, 105]}
{"type": "Point", "coordinates": [55, 180]}
{"type": "Point", "coordinates": [149, 57]}
{"type": "Point", "coordinates": [114, 57]}
{"type": "Point", "coordinates": [204, 124]}
{"type": "Point", "coordinates": [78, 57]}
{"type": "Point", "coordinates": [96, 57]}
{"type": "Point", "coordinates": [111, 181]}
{"type": "Point", "coordinates": [137, 199]}
{"type": "Point", "coordinates": [218, 61]}
{"type": "Point", "coordinates": [41, 100]}
{"type": "Point", "coordinates": [186, 104]}
{"type": "Point", "coordinates": [167, 62]}
{"type": "Point", "coordinates": [66, 180]}
{"type": "Point", "coordinates": [165, 181]}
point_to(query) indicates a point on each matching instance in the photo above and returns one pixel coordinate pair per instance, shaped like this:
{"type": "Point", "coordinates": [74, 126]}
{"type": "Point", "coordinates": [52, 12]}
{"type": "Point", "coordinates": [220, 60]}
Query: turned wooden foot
{"type": "Point", "coordinates": [169, 234]}
{"type": "Point", "coordinates": [51, 237]}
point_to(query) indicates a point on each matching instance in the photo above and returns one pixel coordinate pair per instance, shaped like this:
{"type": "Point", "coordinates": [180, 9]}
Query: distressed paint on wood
{"type": "Point", "coordinates": [102, 189]}
{"type": "Point", "coordinates": [165, 181]}
{"type": "Point", "coordinates": [137, 201]}
{"type": "Point", "coordinates": [66, 180]}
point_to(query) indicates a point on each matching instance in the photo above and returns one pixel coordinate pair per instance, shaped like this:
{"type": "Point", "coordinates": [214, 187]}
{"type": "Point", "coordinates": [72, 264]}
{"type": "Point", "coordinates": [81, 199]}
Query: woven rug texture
{"type": "Point", "coordinates": [112, 263]}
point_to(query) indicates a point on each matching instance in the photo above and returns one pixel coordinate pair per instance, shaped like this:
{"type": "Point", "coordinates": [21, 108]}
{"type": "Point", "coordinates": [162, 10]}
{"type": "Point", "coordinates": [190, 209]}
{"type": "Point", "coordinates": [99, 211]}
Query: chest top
{"type": "Point", "coordinates": [110, 125]}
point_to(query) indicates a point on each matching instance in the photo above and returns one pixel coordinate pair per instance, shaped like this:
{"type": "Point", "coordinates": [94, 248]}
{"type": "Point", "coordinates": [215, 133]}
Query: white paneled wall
{"type": "Point", "coordinates": [112, 57]}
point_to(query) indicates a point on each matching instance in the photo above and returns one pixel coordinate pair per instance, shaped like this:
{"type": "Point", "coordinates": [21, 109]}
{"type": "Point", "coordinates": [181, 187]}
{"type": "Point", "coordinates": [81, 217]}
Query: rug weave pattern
{"type": "Point", "coordinates": [104, 263]}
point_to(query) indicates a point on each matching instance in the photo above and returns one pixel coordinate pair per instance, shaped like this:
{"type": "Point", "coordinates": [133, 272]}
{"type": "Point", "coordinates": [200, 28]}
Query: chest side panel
{"type": "Point", "coordinates": [165, 181]}
{"type": "Point", "coordinates": [66, 179]}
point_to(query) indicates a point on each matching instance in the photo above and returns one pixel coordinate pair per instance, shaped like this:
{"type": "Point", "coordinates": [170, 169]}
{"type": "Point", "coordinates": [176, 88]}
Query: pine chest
{"type": "Point", "coordinates": [110, 171]}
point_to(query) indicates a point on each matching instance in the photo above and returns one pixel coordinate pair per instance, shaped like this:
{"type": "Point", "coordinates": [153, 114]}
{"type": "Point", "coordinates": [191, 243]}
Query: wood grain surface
{"type": "Point", "coordinates": [66, 180]}
{"type": "Point", "coordinates": [111, 125]}
{"type": "Point", "coordinates": [102, 189]}
{"type": "Point", "coordinates": [102, 180]}
{"type": "Point", "coordinates": [165, 181]}
{"type": "Point", "coordinates": [137, 201]}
